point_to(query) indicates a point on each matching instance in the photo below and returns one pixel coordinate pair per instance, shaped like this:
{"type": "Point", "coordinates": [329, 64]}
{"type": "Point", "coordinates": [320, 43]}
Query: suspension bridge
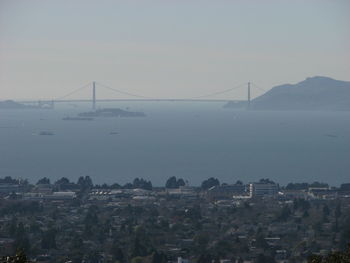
{"type": "Point", "coordinates": [94, 86]}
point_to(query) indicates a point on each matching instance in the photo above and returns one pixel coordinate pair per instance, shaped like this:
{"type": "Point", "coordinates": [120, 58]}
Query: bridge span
{"type": "Point", "coordinates": [135, 97]}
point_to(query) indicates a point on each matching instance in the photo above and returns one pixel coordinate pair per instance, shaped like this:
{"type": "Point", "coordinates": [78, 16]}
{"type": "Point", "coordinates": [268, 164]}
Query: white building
{"type": "Point", "coordinates": [263, 189]}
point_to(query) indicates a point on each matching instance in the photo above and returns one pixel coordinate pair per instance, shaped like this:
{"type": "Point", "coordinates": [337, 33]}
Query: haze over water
{"type": "Point", "coordinates": [189, 140]}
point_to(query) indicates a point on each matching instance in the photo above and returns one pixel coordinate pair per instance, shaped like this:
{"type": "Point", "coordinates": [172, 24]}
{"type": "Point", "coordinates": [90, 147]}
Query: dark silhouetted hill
{"type": "Point", "coordinates": [10, 104]}
{"type": "Point", "coordinates": [316, 93]}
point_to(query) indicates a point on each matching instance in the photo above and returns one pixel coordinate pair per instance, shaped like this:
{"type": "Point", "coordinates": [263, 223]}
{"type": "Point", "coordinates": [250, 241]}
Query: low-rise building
{"type": "Point", "coordinates": [226, 191]}
{"type": "Point", "coordinates": [263, 189]}
{"type": "Point", "coordinates": [9, 188]}
{"type": "Point", "coordinates": [295, 194]}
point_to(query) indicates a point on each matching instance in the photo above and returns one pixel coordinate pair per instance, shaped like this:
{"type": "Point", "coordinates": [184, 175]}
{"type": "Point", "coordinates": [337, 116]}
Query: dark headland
{"type": "Point", "coordinates": [10, 104]}
{"type": "Point", "coordinates": [316, 93]}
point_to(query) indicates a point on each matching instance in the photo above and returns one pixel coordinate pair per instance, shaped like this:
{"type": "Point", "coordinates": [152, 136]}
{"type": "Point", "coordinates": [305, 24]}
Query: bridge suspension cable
{"type": "Point", "coordinates": [122, 92]}
{"type": "Point", "coordinates": [218, 92]}
{"type": "Point", "coordinates": [74, 91]}
{"type": "Point", "coordinates": [145, 97]}
{"type": "Point", "coordinates": [258, 87]}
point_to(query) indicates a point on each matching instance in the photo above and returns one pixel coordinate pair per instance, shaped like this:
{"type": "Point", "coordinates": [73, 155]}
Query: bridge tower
{"type": "Point", "coordinates": [248, 95]}
{"type": "Point", "coordinates": [93, 95]}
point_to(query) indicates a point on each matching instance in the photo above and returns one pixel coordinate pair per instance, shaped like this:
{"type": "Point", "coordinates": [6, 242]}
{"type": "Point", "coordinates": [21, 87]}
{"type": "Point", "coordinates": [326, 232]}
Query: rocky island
{"type": "Point", "coordinates": [111, 112]}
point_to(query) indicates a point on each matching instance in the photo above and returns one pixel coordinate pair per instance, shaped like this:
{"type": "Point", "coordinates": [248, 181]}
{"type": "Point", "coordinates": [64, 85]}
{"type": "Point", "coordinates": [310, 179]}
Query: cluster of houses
{"type": "Point", "coordinates": [225, 191]}
{"type": "Point", "coordinates": [182, 199]}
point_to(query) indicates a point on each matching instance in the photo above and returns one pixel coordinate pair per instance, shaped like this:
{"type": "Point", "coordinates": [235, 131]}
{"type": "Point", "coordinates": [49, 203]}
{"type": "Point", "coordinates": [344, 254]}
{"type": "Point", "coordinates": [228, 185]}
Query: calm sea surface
{"type": "Point", "coordinates": [189, 140]}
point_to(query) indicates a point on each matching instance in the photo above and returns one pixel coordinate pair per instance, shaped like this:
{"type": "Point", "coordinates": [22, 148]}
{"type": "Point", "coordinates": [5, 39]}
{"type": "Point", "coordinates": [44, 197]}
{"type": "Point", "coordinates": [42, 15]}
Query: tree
{"type": "Point", "coordinates": [20, 257]}
{"type": "Point", "coordinates": [142, 184]}
{"type": "Point", "coordinates": [180, 182]}
{"type": "Point", "coordinates": [318, 184]}
{"type": "Point", "coordinates": [22, 243]}
{"type": "Point", "coordinates": [115, 186]}
{"type": "Point", "coordinates": [201, 239]}
{"type": "Point", "coordinates": [261, 242]}
{"type": "Point", "coordinates": [117, 253]}
{"type": "Point", "coordinates": [138, 249]}
{"type": "Point", "coordinates": [306, 214]}
{"type": "Point", "coordinates": [128, 186]}
{"type": "Point", "coordinates": [337, 212]}
{"type": "Point", "coordinates": [64, 184]}
{"type": "Point", "coordinates": [194, 213]}
{"type": "Point", "coordinates": [334, 257]}
{"type": "Point", "coordinates": [91, 216]}
{"type": "Point", "coordinates": [285, 213]}
{"type": "Point", "coordinates": [301, 204]}
{"type": "Point", "coordinates": [77, 242]}
{"type": "Point", "coordinates": [88, 182]}
{"type": "Point", "coordinates": [9, 180]}
{"type": "Point", "coordinates": [266, 181]}
{"type": "Point", "coordinates": [137, 260]}
{"type": "Point", "coordinates": [317, 227]}
{"type": "Point", "coordinates": [326, 212]}
{"type": "Point", "coordinates": [206, 184]}
{"type": "Point", "coordinates": [93, 256]}
{"type": "Point", "coordinates": [63, 180]}
{"type": "Point", "coordinates": [223, 247]}
{"type": "Point", "coordinates": [297, 186]}
{"type": "Point", "coordinates": [206, 258]}
{"type": "Point", "coordinates": [345, 233]}
{"type": "Point", "coordinates": [44, 180]}
{"type": "Point", "coordinates": [12, 227]}
{"type": "Point", "coordinates": [48, 240]}
{"type": "Point", "coordinates": [85, 183]}
{"type": "Point", "coordinates": [264, 259]}
{"type": "Point", "coordinates": [171, 182]}
{"type": "Point", "coordinates": [159, 257]}
{"type": "Point", "coordinates": [21, 238]}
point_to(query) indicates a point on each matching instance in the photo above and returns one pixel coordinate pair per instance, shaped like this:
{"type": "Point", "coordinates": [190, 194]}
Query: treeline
{"type": "Point", "coordinates": [139, 183]}
{"type": "Point", "coordinates": [85, 182]}
{"type": "Point", "coordinates": [10, 180]}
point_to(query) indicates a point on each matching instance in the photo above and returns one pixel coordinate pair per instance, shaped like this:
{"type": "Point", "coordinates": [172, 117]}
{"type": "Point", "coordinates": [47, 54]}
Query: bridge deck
{"type": "Point", "coordinates": [116, 100]}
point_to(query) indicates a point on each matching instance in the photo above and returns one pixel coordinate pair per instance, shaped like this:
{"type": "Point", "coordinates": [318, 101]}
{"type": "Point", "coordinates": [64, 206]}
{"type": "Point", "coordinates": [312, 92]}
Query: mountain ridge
{"type": "Point", "coordinates": [313, 93]}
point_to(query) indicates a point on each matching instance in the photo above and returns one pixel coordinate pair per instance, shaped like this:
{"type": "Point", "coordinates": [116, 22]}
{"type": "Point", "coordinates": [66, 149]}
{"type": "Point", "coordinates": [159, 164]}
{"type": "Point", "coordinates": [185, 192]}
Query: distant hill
{"type": "Point", "coordinates": [316, 93]}
{"type": "Point", "coordinates": [10, 104]}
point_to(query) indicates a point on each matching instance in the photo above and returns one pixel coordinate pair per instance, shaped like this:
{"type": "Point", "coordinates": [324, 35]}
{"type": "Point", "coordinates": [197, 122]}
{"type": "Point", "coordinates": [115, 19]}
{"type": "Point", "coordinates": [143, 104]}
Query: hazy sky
{"type": "Point", "coordinates": [168, 49]}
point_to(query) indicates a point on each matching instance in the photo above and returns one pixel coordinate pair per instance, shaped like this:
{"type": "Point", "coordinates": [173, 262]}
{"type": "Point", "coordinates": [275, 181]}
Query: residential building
{"type": "Point", "coordinates": [263, 189]}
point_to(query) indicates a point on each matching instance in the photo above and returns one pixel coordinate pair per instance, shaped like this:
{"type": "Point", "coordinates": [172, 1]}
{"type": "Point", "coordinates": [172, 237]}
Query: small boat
{"type": "Point", "coordinates": [77, 119]}
{"type": "Point", "coordinates": [113, 133]}
{"type": "Point", "coordinates": [331, 135]}
{"type": "Point", "coordinates": [46, 133]}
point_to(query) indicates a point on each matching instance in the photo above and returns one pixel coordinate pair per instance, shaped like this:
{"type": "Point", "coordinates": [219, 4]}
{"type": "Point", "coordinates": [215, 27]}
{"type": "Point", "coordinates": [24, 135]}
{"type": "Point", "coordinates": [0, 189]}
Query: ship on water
{"type": "Point", "coordinates": [46, 133]}
{"type": "Point", "coordinates": [77, 119]}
